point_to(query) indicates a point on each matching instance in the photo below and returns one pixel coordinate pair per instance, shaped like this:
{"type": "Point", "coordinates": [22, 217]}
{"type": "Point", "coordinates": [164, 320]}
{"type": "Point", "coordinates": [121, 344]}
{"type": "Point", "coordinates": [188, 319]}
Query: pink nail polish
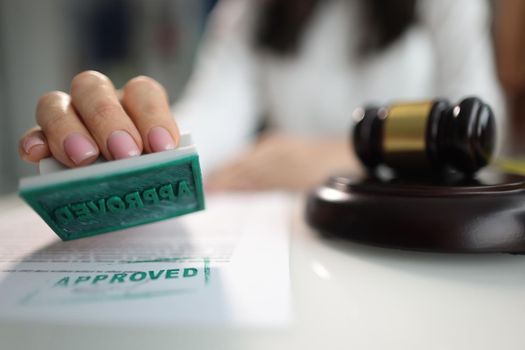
{"type": "Point", "coordinates": [32, 141]}
{"type": "Point", "coordinates": [78, 148]}
{"type": "Point", "coordinates": [121, 145]}
{"type": "Point", "coordinates": [160, 139]}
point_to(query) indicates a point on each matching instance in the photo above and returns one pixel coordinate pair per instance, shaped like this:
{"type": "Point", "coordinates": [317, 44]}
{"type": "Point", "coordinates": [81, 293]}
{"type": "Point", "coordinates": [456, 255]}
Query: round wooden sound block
{"type": "Point", "coordinates": [447, 214]}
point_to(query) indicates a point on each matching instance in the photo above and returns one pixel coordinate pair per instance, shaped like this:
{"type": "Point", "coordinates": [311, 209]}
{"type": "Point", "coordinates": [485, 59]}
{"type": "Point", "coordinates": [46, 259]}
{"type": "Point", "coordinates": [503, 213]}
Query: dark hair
{"type": "Point", "coordinates": [283, 22]}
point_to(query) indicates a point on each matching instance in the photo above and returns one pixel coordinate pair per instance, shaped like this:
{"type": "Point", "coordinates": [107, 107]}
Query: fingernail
{"type": "Point", "coordinates": [32, 141]}
{"type": "Point", "coordinates": [160, 139]}
{"type": "Point", "coordinates": [121, 145]}
{"type": "Point", "coordinates": [78, 148]}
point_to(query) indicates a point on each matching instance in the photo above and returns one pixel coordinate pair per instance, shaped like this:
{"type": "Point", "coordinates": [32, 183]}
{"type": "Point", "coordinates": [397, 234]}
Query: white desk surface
{"type": "Point", "coordinates": [345, 296]}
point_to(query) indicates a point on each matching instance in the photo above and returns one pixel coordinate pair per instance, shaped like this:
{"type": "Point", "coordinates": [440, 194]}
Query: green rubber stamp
{"type": "Point", "coordinates": [109, 196]}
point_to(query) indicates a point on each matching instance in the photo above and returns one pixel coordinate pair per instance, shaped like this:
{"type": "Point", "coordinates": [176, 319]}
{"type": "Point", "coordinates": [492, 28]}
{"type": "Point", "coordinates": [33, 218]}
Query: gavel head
{"type": "Point", "coordinates": [424, 137]}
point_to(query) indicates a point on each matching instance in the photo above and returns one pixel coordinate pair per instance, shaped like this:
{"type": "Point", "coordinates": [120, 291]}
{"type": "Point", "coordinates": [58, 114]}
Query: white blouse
{"type": "Point", "coordinates": [448, 53]}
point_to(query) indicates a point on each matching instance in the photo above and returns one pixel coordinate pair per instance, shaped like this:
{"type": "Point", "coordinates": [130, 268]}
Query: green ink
{"type": "Point", "coordinates": [184, 190]}
{"type": "Point", "coordinates": [133, 200]}
{"type": "Point", "coordinates": [207, 270]}
{"type": "Point", "coordinates": [116, 204]}
{"type": "Point", "coordinates": [142, 275]}
{"type": "Point", "coordinates": [154, 276]}
{"type": "Point", "coordinates": [81, 279]}
{"type": "Point", "coordinates": [173, 273]}
{"type": "Point", "coordinates": [62, 282]}
{"type": "Point", "coordinates": [99, 278]}
{"type": "Point", "coordinates": [118, 277]}
{"type": "Point", "coordinates": [63, 215]}
{"type": "Point", "coordinates": [136, 276]}
{"type": "Point", "coordinates": [81, 211]}
{"type": "Point", "coordinates": [151, 195]}
{"type": "Point", "coordinates": [100, 208]}
{"type": "Point", "coordinates": [91, 205]}
{"type": "Point", "coordinates": [190, 272]}
{"type": "Point", "coordinates": [166, 192]}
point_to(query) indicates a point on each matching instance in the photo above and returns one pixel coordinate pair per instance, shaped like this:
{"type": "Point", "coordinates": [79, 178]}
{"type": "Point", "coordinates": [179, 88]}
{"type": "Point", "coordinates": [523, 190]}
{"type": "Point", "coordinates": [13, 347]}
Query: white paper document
{"type": "Point", "coordinates": [227, 266]}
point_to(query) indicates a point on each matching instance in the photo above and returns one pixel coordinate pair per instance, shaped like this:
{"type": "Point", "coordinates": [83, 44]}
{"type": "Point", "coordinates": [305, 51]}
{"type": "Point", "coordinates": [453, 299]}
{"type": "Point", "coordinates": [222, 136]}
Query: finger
{"type": "Point", "coordinates": [68, 139]}
{"type": "Point", "coordinates": [33, 147]}
{"type": "Point", "coordinates": [96, 101]}
{"type": "Point", "coordinates": [147, 104]}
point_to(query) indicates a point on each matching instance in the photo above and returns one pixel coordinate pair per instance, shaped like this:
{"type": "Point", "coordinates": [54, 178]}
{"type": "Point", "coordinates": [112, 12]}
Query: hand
{"type": "Point", "coordinates": [284, 162]}
{"type": "Point", "coordinates": [75, 128]}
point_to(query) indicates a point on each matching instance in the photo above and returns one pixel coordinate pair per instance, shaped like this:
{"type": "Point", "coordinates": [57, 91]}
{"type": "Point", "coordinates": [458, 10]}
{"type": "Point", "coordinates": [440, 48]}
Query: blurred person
{"type": "Point", "coordinates": [302, 66]}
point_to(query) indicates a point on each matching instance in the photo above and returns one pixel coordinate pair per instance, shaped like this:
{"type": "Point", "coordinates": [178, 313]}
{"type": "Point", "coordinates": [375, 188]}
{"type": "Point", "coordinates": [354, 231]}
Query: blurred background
{"type": "Point", "coordinates": [44, 43]}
